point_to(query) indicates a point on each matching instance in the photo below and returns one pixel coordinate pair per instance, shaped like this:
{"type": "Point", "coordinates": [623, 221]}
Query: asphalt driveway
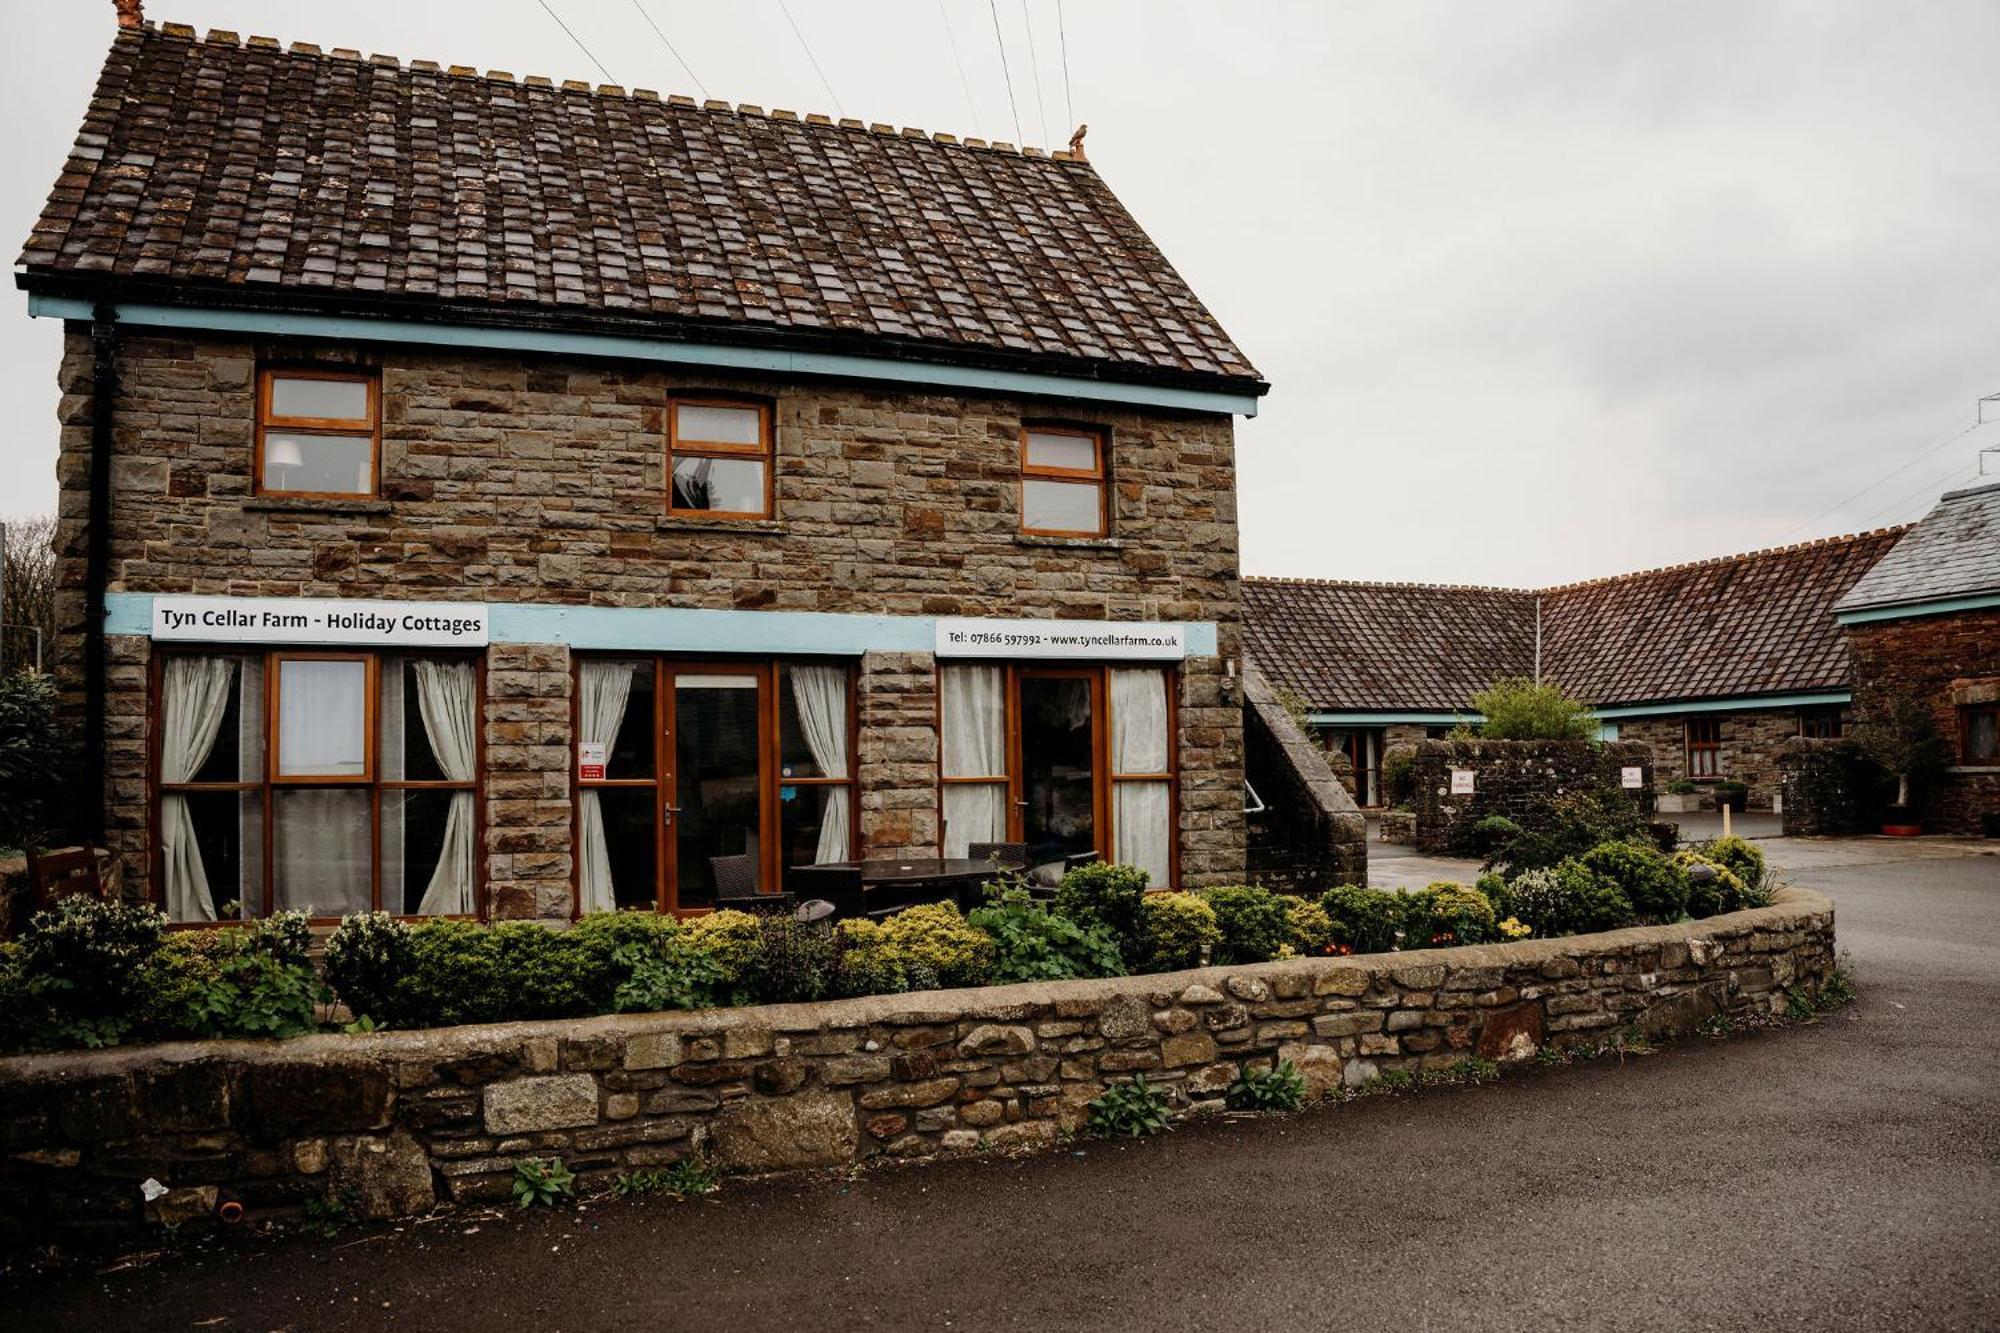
{"type": "Point", "coordinates": [1839, 1175]}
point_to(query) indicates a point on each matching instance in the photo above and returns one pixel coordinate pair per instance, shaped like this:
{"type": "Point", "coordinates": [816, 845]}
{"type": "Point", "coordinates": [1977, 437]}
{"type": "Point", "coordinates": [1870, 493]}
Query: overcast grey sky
{"type": "Point", "coordinates": [1546, 291]}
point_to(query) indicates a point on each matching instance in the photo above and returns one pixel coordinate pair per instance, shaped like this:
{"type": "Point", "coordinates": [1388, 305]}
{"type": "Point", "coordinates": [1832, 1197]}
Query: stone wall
{"type": "Point", "coordinates": [1947, 661]}
{"type": "Point", "coordinates": [525, 478]}
{"type": "Point", "coordinates": [404, 1120]}
{"type": "Point", "coordinates": [1753, 745]}
{"type": "Point", "coordinates": [1310, 835]}
{"type": "Point", "coordinates": [1516, 779]}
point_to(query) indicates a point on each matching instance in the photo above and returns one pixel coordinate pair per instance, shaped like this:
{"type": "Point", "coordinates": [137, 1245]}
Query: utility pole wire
{"type": "Point", "coordinates": [994, 8]}
{"type": "Point", "coordinates": [1933, 488]}
{"type": "Point", "coordinates": [1062, 34]}
{"type": "Point", "coordinates": [813, 58]}
{"type": "Point", "coordinates": [1894, 472]}
{"type": "Point", "coordinates": [578, 40]}
{"type": "Point", "coordinates": [964, 83]}
{"type": "Point", "coordinates": [686, 68]}
{"type": "Point", "coordinates": [1035, 64]}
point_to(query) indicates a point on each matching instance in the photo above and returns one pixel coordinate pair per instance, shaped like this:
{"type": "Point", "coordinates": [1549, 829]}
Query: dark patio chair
{"type": "Point", "coordinates": [735, 876]}
{"type": "Point", "coordinates": [757, 904]}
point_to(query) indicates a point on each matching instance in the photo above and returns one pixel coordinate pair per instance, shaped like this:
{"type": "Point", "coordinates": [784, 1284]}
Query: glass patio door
{"type": "Point", "coordinates": [715, 783]}
{"type": "Point", "coordinates": [1060, 741]}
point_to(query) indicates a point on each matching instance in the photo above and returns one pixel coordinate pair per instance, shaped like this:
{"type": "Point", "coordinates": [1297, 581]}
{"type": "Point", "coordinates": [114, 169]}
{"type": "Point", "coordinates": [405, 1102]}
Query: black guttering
{"type": "Point", "coordinates": [97, 563]}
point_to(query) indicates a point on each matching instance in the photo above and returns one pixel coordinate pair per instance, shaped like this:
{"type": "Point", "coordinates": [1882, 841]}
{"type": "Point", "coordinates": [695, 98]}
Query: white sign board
{"type": "Point", "coordinates": [1632, 777]}
{"type": "Point", "coordinates": [591, 756]}
{"type": "Point", "coordinates": [1145, 640]}
{"type": "Point", "coordinates": [312, 620]}
{"type": "Point", "coordinates": [1461, 782]}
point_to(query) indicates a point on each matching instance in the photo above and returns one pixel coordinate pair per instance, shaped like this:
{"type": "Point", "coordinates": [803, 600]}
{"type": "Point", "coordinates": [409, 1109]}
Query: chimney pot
{"type": "Point", "coordinates": [131, 13]}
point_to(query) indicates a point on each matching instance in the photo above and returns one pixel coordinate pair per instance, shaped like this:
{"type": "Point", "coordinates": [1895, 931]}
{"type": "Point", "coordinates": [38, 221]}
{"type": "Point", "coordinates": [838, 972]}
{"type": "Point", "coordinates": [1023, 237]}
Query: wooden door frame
{"type": "Point", "coordinates": [1100, 758]}
{"type": "Point", "coordinates": [764, 754]}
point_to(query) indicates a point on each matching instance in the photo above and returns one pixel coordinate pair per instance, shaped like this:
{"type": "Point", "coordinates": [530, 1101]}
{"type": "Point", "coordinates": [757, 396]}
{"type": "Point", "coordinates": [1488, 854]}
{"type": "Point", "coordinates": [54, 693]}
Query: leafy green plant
{"type": "Point", "coordinates": [1713, 888]}
{"type": "Point", "coordinates": [1901, 734]}
{"type": "Point", "coordinates": [799, 961]}
{"type": "Point", "coordinates": [542, 1181]}
{"type": "Point", "coordinates": [1657, 887]}
{"type": "Point", "coordinates": [1105, 894]}
{"type": "Point", "coordinates": [38, 753]}
{"type": "Point", "coordinates": [735, 940]}
{"type": "Point", "coordinates": [1363, 920]}
{"type": "Point", "coordinates": [1517, 708]}
{"type": "Point", "coordinates": [872, 963]}
{"type": "Point", "coordinates": [937, 941]}
{"type": "Point", "coordinates": [1567, 899]}
{"type": "Point", "coordinates": [1453, 914]}
{"type": "Point", "coordinates": [224, 983]}
{"type": "Point", "coordinates": [676, 972]}
{"type": "Point", "coordinates": [1740, 857]}
{"type": "Point", "coordinates": [690, 1178]}
{"type": "Point", "coordinates": [1279, 1088]}
{"type": "Point", "coordinates": [1176, 931]}
{"type": "Point", "coordinates": [1253, 922]}
{"type": "Point", "coordinates": [1399, 777]}
{"type": "Point", "coordinates": [367, 957]}
{"type": "Point", "coordinates": [1683, 787]}
{"type": "Point", "coordinates": [1033, 943]}
{"type": "Point", "coordinates": [1308, 929]}
{"type": "Point", "coordinates": [330, 1213]}
{"type": "Point", "coordinates": [1567, 827]}
{"type": "Point", "coordinates": [644, 1180]}
{"type": "Point", "coordinates": [1130, 1110]}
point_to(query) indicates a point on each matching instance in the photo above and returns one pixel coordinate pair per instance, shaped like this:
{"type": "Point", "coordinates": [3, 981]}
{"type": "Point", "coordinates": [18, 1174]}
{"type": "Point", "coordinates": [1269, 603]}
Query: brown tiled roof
{"type": "Point", "coordinates": [1760, 623]}
{"type": "Point", "coordinates": [1745, 625]}
{"type": "Point", "coordinates": [1361, 647]}
{"type": "Point", "coordinates": [245, 170]}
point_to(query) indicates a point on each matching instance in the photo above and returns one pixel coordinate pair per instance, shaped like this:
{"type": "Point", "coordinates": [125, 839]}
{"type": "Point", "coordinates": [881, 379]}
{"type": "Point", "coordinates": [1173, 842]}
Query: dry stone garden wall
{"type": "Point", "coordinates": [397, 1122]}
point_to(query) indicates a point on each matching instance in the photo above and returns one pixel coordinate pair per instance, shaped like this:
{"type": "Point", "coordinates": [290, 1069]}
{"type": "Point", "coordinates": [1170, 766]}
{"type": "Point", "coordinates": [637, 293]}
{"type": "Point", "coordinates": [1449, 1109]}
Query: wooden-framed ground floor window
{"type": "Point", "coordinates": [325, 782]}
{"type": "Point", "coordinates": [1979, 734]}
{"type": "Point", "coordinates": [1067, 759]}
{"type": "Point", "coordinates": [1704, 747]}
{"type": "Point", "coordinates": [685, 768]}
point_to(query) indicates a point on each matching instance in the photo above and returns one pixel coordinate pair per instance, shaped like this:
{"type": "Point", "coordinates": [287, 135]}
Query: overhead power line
{"type": "Point", "coordinates": [1062, 35]}
{"type": "Point", "coordinates": [994, 8]}
{"type": "Point", "coordinates": [1929, 488]}
{"type": "Point", "coordinates": [1894, 472]}
{"type": "Point", "coordinates": [807, 46]}
{"type": "Point", "coordinates": [578, 40]}
{"type": "Point", "coordinates": [1035, 64]}
{"type": "Point", "coordinates": [672, 50]}
{"type": "Point", "coordinates": [963, 82]}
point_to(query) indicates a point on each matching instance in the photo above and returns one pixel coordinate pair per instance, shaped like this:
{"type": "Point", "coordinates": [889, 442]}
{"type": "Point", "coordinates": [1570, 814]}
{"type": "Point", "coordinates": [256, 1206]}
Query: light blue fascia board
{"type": "Point", "coordinates": [680, 629]}
{"type": "Point", "coordinates": [1742, 704]}
{"type": "Point", "coordinates": [361, 328]}
{"type": "Point", "coordinates": [1941, 607]}
{"type": "Point", "coordinates": [1390, 719]}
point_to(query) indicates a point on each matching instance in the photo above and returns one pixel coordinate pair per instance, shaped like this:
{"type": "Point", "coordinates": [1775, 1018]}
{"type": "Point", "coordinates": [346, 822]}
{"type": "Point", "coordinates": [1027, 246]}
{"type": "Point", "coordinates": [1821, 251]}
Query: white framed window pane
{"type": "Point", "coordinates": [703, 423]}
{"type": "Point", "coordinates": [1060, 506]}
{"type": "Point", "coordinates": [319, 400]}
{"type": "Point", "coordinates": [322, 846]}
{"type": "Point", "coordinates": [329, 464]}
{"type": "Point", "coordinates": [322, 719]}
{"type": "Point", "coordinates": [725, 485]}
{"type": "Point", "coordinates": [1071, 451]}
{"type": "Point", "coordinates": [1982, 737]}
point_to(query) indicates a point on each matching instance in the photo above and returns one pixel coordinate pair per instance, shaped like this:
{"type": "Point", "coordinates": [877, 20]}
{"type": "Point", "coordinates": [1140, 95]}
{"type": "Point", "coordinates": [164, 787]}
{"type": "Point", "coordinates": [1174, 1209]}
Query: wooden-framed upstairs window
{"type": "Point", "coordinates": [319, 432]}
{"type": "Point", "coordinates": [1979, 734]}
{"type": "Point", "coordinates": [719, 457]}
{"type": "Point", "coordinates": [1704, 747]}
{"type": "Point", "coordinates": [1820, 724]}
{"type": "Point", "coordinates": [1063, 491]}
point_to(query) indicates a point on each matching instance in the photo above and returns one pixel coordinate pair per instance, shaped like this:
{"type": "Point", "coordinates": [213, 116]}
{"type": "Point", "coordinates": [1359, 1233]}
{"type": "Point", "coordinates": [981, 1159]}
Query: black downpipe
{"type": "Point", "coordinates": [97, 566]}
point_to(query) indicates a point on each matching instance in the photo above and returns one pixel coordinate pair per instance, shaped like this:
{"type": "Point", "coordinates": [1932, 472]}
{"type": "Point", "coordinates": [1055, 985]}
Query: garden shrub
{"type": "Point", "coordinates": [1457, 915]}
{"type": "Point", "coordinates": [547, 972]}
{"type": "Point", "coordinates": [1568, 899]}
{"type": "Point", "coordinates": [233, 982]}
{"type": "Point", "coordinates": [799, 961]}
{"type": "Point", "coordinates": [1517, 708]}
{"type": "Point", "coordinates": [1308, 929]}
{"type": "Point", "coordinates": [83, 955]}
{"type": "Point", "coordinates": [1741, 858]}
{"type": "Point", "coordinates": [1725, 893]}
{"type": "Point", "coordinates": [37, 758]}
{"type": "Point", "coordinates": [734, 940]}
{"type": "Point", "coordinates": [614, 945]}
{"type": "Point", "coordinates": [1032, 943]}
{"type": "Point", "coordinates": [452, 978]}
{"type": "Point", "coordinates": [679, 972]}
{"type": "Point", "coordinates": [930, 944]}
{"type": "Point", "coordinates": [1492, 833]}
{"type": "Point", "coordinates": [1399, 777]}
{"type": "Point", "coordinates": [1253, 922]}
{"type": "Point", "coordinates": [367, 957]}
{"type": "Point", "coordinates": [1176, 931]}
{"type": "Point", "coordinates": [1571, 825]}
{"type": "Point", "coordinates": [1657, 887]}
{"type": "Point", "coordinates": [1104, 894]}
{"type": "Point", "coordinates": [1363, 920]}
{"type": "Point", "coordinates": [1494, 886]}
{"type": "Point", "coordinates": [871, 964]}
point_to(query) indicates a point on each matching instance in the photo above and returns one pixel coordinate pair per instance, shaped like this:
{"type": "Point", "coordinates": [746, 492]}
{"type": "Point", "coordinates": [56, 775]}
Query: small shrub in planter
{"type": "Point", "coordinates": [935, 940]}
{"type": "Point", "coordinates": [233, 982]}
{"type": "Point", "coordinates": [1683, 787]}
{"type": "Point", "coordinates": [1657, 887]}
{"type": "Point", "coordinates": [1308, 929]}
{"type": "Point", "coordinates": [1568, 899]}
{"type": "Point", "coordinates": [1399, 777]}
{"type": "Point", "coordinates": [1132, 1110]}
{"type": "Point", "coordinates": [1032, 943]}
{"type": "Point", "coordinates": [1452, 914]}
{"type": "Point", "coordinates": [1742, 858]}
{"type": "Point", "coordinates": [1364, 920]}
{"type": "Point", "coordinates": [797, 961]}
{"type": "Point", "coordinates": [1712, 895]}
{"type": "Point", "coordinates": [1176, 931]}
{"type": "Point", "coordinates": [872, 964]}
{"type": "Point", "coordinates": [1572, 825]}
{"type": "Point", "coordinates": [1735, 795]}
{"type": "Point", "coordinates": [84, 955]}
{"type": "Point", "coordinates": [1104, 894]}
{"type": "Point", "coordinates": [1253, 921]}
{"type": "Point", "coordinates": [734, 940]}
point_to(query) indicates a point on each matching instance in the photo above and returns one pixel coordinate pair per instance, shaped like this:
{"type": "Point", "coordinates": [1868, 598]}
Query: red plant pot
{"type": "Point", "coordinates": [1902, 830]}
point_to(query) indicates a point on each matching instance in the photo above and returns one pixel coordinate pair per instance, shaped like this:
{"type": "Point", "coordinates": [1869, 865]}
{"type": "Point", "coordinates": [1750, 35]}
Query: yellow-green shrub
{"type": "Point", "coordinates": [1176, 931]}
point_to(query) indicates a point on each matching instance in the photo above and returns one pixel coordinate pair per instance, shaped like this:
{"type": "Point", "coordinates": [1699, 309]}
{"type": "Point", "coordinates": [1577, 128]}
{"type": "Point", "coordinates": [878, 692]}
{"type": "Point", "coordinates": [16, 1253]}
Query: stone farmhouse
{"type": "Point", "coordinates": [1715, 665]}
{"type": "Point", "coordinates": [482, 496]}
{"type": "Point", "coordinates": [1926, 621]}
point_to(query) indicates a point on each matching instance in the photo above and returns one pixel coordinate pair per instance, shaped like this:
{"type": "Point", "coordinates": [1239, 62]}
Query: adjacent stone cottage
{"type": "Point", "coordinates": [1714, 665]}
{"type": "Point", "coordinates": [1926, 622]}
{"type": "Point", "coordinates": [488, 497]}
